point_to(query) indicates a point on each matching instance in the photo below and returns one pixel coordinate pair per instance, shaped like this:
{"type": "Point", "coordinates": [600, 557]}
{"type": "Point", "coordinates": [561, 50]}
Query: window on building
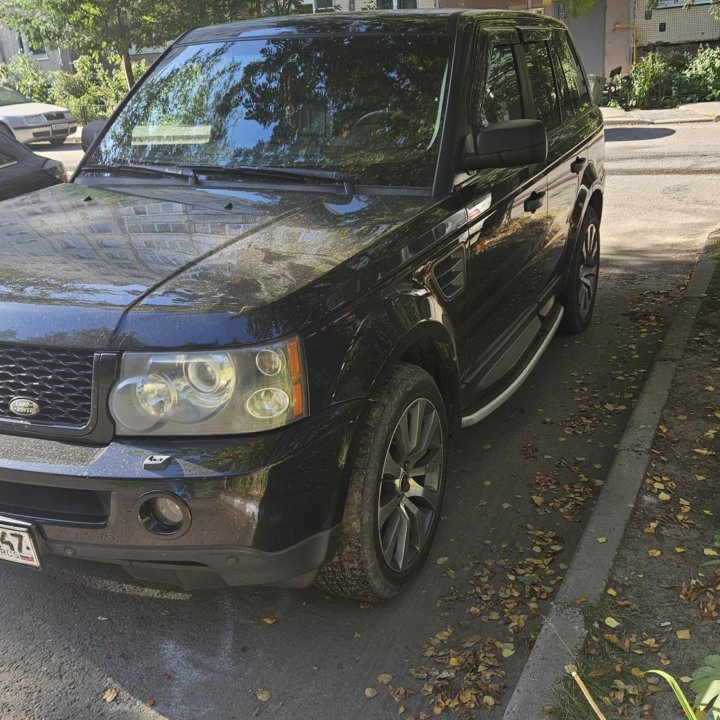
{"type": "Point", "coordinates": [33, 44]}
{"type": "Point", "coordinates": [542, 81]}
{"type": "Point", "coordinates": [500, 99]}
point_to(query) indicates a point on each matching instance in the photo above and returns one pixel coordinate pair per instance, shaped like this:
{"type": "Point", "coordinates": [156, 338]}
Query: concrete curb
{"type": "Point", "coordinates": [614, 122]}
{"type": "Point", "coordinates": [564, 631]}
{"type": "Point", "coordinates": [712, 116]}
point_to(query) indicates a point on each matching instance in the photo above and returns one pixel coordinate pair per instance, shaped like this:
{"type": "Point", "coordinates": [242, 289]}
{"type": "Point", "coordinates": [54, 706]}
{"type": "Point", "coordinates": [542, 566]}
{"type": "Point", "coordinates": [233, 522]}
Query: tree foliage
{"type": "Point", "coordinates": [97, 27]}
{"type": "Point", "coordinates": [573, 8]}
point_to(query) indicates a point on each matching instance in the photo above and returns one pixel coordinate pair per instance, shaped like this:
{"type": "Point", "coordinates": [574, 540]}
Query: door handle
{"type": "Point", "coordinates": [534, 202]}
{"type": "Point", "coordinates": [577, 166]}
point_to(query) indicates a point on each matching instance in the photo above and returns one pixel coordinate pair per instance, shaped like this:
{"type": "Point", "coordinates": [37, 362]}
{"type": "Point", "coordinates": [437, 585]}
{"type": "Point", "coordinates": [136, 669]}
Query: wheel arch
{"type": "Point", "coordinates": [589, 195]}
{"type": "Point", "coordinates": [408, 327]}
{"type": "Point", "coordinates": [596, 202]}
{"type": "Point", "coordinates": [433, 351]}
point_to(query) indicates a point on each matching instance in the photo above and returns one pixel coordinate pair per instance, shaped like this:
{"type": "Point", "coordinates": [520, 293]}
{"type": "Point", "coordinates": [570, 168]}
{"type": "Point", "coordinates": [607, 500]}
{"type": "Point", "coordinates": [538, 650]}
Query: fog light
{"type": "Point", "coordinates": [163, 513]}
{"type": "Point", "coordinates": [167, 511]}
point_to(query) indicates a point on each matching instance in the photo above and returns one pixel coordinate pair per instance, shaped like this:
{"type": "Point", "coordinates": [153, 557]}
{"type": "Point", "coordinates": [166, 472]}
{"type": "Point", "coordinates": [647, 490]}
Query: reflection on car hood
{"type": "Point", "coordinates": [75, 259]}
{"type": "Point", "coordinates": [31, 108]}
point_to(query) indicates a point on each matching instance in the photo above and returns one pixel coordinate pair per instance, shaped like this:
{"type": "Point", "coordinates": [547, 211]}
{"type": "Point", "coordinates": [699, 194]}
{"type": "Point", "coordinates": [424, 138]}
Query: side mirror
{"type": "Point", "coordinates": [90, 132]}
{"type": "Point", "coordinates": [509, 144]}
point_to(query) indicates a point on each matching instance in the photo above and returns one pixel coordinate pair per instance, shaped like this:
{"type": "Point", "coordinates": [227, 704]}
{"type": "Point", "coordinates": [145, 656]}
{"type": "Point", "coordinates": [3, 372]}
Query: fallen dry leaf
{"type": "Point", "coordinates": [384, 678]}
{"type": "Point", "coordinates": [110, 694]}
{"type": "Point", "coordinates": [262, 695]}
{"type": "Point", "coordinates": [370, 693]}
{"type": "Point", "coordinates": [683, 634]}
{"type": "Point", "coordinates": [268, 620]}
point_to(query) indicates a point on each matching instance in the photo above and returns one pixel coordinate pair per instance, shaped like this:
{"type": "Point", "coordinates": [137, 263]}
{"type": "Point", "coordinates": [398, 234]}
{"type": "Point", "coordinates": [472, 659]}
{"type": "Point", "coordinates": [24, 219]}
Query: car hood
{"type": "Point", "coordinates": [31, 108]}
{"type": "Point", "coordinates": [157, 266]}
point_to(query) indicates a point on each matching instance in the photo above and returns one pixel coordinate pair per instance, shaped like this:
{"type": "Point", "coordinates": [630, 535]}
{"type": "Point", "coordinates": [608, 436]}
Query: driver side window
{"type": "Point", "coordinates": [500, 99]}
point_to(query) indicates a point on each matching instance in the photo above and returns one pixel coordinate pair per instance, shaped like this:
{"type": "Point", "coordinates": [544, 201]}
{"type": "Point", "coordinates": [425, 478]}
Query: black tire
{"type": "Point", "coordinates": [360, 569]}
{"type": "Point", "coordinates": [578, 299]}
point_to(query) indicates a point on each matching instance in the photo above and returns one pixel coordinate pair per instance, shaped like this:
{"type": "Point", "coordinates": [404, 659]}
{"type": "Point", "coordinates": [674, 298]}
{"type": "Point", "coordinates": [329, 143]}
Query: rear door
{"type": "Point", "coordinates": [567, 141]}
{"type": "Point", "coordinates": [507, 215]}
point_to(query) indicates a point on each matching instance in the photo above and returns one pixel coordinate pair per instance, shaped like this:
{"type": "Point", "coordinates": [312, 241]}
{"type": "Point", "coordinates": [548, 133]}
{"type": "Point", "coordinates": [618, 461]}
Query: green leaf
{"type": "Point", "coordinates": [679, 694]}
{"type": "Point", "coordinates": [706, 686]}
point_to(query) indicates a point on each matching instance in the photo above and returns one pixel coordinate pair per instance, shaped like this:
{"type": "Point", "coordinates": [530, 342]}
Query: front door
{"type": "Point", "coordinates": [507, 217]}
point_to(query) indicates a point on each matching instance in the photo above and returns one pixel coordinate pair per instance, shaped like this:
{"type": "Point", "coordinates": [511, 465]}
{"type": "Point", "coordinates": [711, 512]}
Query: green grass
{"type": "Point", "coordinates": [597, 665]}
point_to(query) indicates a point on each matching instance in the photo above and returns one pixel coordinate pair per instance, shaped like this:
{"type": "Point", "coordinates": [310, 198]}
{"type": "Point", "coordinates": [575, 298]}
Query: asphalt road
{"type": "Point", "coordinates": [521, 484]}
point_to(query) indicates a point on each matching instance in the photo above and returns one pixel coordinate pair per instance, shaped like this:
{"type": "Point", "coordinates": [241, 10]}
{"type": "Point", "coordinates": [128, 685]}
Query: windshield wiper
{"type": "Point", "coordinates": [183, 173]}
{"type": "Point", "coordinates": [270, 171]}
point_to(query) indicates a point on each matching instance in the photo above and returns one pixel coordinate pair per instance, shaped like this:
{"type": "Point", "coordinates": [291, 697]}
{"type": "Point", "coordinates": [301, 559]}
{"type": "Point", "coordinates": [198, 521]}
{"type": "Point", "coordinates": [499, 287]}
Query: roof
{"type": "Point", "coordinates": [422, 22]}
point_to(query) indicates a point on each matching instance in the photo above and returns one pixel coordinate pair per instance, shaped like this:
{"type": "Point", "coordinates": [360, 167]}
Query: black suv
{"type": "Point", "coordinates": [301, 253]}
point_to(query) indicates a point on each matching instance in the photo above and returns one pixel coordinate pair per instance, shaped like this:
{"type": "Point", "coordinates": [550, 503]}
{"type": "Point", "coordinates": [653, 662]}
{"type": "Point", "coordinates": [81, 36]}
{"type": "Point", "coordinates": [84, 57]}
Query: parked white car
{"type": "Point", "coordinates": [29, 121]}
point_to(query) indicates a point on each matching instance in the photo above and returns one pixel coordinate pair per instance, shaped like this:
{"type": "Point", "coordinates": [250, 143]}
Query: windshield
{"type": "Point", "coordinates": [371, 107]}
{"type": "Point", "coordinates": [12, 97]}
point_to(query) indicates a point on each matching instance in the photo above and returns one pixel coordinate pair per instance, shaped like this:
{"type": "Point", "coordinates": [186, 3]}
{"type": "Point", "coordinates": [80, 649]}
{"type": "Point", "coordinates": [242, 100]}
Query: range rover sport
{"type": "Point", "coordinates": [301, 254]}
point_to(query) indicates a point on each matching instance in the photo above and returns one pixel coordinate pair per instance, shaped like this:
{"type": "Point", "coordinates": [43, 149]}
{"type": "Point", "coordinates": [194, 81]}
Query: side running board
{"type": "Point", "coordinates": [510, 390]}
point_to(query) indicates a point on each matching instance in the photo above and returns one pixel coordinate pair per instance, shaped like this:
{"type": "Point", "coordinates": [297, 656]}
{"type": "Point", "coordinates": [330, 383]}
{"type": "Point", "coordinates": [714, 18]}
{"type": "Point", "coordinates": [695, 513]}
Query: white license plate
{"type": "Point", "coordinates": [18, 546]}
{"type": "Point", "coordinates": [59, 126]}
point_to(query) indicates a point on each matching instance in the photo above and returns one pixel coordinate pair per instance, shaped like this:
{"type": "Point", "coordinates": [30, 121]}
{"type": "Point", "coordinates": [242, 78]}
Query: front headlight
{"type": "Point", "coordinates": [34, 120]}
{"type": "Point", "coordinates": [210, 393]}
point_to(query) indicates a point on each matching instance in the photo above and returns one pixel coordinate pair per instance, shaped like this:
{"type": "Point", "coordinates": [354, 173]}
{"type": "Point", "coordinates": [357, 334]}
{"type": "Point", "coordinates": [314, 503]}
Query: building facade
{"type": "Point", "coordinates": [616, 32]}
{"type": "Point", "coordinates": [12, 42]}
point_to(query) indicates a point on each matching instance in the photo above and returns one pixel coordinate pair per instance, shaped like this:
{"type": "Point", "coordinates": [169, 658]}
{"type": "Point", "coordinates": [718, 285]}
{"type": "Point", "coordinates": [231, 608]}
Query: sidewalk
{"type": "Point", "coordinates": [639, 594]}
{"type": "Point", "coordinates": [691, 113]}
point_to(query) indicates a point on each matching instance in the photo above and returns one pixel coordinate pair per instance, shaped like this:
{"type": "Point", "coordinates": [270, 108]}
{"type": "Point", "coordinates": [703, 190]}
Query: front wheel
{"type": "Point", "coordinates": [395, 492]}
{"type": "Point", "coordinates": [578, 299]}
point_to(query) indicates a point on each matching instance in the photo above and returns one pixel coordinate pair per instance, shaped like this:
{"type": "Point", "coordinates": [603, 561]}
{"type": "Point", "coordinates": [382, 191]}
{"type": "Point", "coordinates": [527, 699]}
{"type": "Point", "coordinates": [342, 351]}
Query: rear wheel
{"type": "Point", "coordinates": [395, 492]}
{"type": "Point", "coordinates": [578, 299]}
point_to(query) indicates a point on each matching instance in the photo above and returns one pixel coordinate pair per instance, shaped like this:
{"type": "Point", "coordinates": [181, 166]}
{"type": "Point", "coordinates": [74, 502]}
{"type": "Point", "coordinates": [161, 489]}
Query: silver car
{"type": "Point", "coordinates": [29, 121]}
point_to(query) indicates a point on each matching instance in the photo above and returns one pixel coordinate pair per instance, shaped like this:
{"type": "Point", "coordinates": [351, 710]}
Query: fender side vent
{"type": "Point", "coordinates": [449, 273]}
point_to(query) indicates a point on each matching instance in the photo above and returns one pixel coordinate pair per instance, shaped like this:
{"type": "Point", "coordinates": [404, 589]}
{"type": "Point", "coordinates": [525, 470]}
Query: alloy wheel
{"type": "Point", "coordinates": [409, 492]}
{"type": "Point", "coordinates": [588, 270]}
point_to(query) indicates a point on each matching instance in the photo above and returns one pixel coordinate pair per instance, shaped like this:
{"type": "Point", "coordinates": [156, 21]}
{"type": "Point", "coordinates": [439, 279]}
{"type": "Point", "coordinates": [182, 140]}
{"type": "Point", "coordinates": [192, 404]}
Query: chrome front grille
{"type": "Point", "coordinates": [59, 381]}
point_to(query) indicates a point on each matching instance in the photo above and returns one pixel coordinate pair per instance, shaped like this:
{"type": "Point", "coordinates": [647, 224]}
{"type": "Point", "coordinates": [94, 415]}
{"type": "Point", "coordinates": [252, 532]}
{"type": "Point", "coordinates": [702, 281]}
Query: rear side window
{"type": "Point", "coordinates": [575, 96]}
{"type": "Point", "coordinates": [500, 99]}
{"type": "Point", "coordinates": [6, 160]}
{"type": "Point", "coordinates": [542, 81]}
{"type": "Point", "coordinates": [585, 99]}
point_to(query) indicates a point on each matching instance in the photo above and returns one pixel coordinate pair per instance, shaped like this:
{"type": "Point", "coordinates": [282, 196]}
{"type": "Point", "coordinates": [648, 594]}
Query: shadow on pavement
{"type": "Point", "coordinates": [636, 133]}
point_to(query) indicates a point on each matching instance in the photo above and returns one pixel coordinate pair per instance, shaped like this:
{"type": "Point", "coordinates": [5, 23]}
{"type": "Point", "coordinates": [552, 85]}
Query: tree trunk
{"type": "Point", "coordinates": [127, 66]}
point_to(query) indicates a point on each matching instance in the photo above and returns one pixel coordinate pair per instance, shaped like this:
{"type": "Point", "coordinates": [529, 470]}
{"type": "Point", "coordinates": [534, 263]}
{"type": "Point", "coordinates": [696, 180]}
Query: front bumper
{"type": "Point", "coordinates": [36, 133]}
{"type": "Point", "coordinates": [264, 509]}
